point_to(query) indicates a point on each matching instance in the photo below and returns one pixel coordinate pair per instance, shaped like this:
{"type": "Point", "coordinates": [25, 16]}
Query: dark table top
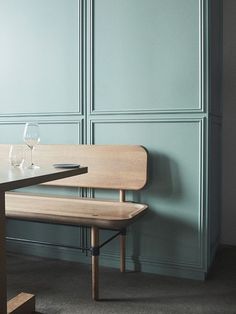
{"type": "Point", "coordinates": [14, 178]}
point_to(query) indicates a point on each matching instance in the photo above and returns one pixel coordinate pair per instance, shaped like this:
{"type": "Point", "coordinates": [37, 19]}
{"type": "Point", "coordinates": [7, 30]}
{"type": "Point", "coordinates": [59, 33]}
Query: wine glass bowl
{"type": "Point", "coordinates": [31, 138]}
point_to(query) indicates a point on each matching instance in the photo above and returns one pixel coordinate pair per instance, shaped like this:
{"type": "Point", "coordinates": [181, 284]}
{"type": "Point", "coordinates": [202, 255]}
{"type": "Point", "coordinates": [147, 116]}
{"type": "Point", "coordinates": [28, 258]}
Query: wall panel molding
{"type": "Point", "coordinates": [42, 114]}
{"type": "Point", "coordinates": [78, 123]}
{"type": "Point", "coordinates": [201, 107]}
{"type": "Point", "coordinates": [202, 183]}
{"type": "Point", "coordinates": [109, 259]}
{"type": "Point", "coordinates": [79, 105]}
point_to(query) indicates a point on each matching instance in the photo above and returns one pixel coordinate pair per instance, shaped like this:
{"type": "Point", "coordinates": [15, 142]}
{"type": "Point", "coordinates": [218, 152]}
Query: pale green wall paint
{"type": "Point", "coordinates": [39, 56]}
{"type": "Point", "coordinates": [50, 132]}
{"type": "Point", "coordinates": [173, 193]}
{"type": "Point", "coordinates": [139, 57]}
{"type": "Point", "coordinates": [142, 47]}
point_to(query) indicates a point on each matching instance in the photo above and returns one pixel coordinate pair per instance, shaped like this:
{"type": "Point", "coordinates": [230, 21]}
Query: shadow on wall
{"type": "Point", "coordinates": [164, 233]}
{"type": "Point", "coordinates": [162, 240]}
{"type": "Point", "coordinates": [228, 230]}
{"type": "Point", "coordinates": [165, 178]}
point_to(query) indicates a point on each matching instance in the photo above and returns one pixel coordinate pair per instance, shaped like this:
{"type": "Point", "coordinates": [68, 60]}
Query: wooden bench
{"type": "Point", "coordinates": [117, 167]}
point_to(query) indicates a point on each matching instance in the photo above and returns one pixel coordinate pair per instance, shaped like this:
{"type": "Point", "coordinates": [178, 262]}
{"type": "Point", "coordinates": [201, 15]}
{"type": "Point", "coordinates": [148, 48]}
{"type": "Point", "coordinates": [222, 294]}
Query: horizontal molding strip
{"type": "Point", "coordinates": [150, 116]}
{"type": "Point", "coordinates": [146, 120]}
{"type": "Point", "coordinates": [159, 261]}
{"type": "Point", "coordinates": [203, 72]}
{"type": "Point", "coordinates": [107, 259]}
{"type": "Point", "coordinates": [43, 122]}
{"type": "Point", "coordinates": [41, 114]}
{"type": "Point", "coordinates": [145, 111]}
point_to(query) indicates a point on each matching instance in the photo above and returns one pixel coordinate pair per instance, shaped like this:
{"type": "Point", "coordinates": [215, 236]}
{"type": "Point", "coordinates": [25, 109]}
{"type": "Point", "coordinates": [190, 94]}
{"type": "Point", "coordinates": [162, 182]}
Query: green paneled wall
{"type": "Point", "coordinates": [127, 71]}
{"type": "Point", "coordinates": [39, 56]}
{"type": "Point", "coordinates": [173, 193]}
{"type": "Point", "coordinates": [50, 131]}
{"type": "Point", "coordinates": [142, 47]}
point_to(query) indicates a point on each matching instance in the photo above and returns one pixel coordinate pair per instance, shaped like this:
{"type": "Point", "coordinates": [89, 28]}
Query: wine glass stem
{"type": "Point", "coordinates": [31, 156]}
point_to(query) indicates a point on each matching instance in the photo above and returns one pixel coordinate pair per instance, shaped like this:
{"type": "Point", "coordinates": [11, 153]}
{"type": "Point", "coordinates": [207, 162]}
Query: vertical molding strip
{"type": "Point", "coordinates": [80, 58]}
{"type": "Point", "coordinates": [91, 55]}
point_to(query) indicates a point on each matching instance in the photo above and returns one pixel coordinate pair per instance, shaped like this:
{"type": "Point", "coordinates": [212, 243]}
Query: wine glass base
{"type": "Point", "coordinates": [33, 167]}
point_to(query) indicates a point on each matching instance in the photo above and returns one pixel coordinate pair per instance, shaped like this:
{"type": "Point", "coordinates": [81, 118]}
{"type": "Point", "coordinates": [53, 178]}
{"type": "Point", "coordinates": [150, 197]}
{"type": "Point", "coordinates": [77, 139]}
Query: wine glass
{"type": "Point", "coordinates": [31, 138]}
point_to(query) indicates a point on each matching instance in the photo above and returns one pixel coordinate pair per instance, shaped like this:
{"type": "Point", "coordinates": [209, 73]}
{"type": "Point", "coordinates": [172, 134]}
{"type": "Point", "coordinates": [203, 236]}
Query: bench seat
{"type": "Point", "coordinates": [72, 210]}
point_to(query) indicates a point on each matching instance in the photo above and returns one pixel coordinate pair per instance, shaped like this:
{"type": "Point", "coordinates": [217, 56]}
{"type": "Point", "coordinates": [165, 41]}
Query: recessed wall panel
{"type": "Point", "coordinates": [50, 132]}
{"type": "Point", "coordinates": [61, 133]}
{"type": "Point", "coordinates": [39, 56]}
{"type": "Point", "coordinates": [146, 55]}
{"type": "Point", "coordinates": [171, 229]}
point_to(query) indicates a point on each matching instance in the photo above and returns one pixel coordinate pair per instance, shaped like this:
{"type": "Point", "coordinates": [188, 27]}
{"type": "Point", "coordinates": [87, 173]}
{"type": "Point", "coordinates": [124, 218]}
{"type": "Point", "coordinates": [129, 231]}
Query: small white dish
{"type": "Point", "coordinates": [66, 166]}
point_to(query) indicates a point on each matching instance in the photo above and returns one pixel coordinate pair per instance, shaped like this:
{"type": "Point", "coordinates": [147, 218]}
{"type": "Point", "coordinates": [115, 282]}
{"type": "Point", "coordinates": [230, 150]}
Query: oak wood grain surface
{"type": "Point", "coordinates": [72, 210]}
{"type": "Point", "coordinates": [121, 167]}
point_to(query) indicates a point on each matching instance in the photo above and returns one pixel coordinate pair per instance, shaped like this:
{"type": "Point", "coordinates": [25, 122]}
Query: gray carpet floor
{"type": "Point", "coordinates": [65, 288]}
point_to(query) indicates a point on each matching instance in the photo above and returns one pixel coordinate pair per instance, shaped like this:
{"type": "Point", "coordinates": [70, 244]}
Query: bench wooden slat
{"type": "Point", "coordinates": [70, 210]}
{"type": "Point", "coordinates": [122, 167]}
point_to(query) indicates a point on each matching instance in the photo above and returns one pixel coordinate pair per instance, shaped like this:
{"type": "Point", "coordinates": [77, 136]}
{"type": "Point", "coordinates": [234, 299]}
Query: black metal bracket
{"type": "Point", "coordinates": [121, 232]}
{"type": "Point", "coordinates": [95, 250]}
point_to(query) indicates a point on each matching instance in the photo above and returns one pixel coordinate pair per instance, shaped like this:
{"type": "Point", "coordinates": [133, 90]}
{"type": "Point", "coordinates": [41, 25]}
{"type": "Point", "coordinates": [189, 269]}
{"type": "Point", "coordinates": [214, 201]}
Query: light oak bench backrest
{"type": "Point", "coordinates": [122, 167]}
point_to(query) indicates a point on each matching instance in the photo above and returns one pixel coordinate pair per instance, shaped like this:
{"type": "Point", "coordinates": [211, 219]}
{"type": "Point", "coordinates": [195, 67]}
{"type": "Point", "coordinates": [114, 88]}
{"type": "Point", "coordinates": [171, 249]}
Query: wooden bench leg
{"type": "Point", "coordinates": [95, 262]}
{"type": "Point", "coordinates": [122, 250]}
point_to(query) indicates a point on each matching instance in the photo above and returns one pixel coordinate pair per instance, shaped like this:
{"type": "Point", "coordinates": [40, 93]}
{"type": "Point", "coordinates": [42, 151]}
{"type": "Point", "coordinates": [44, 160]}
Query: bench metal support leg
{"type": "Point", "coordinates": [95, 262]}
{"type": "Point", "coordinates": [122, 250]}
